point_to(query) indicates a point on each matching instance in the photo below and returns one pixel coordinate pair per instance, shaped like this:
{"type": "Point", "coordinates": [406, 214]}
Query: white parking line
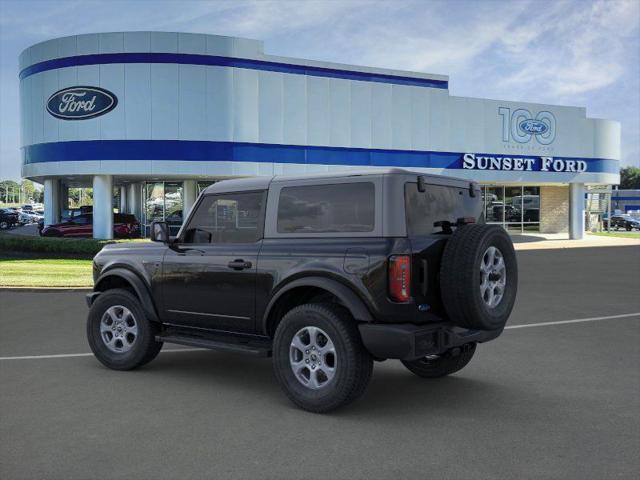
{"type": "Point", "coordinates": [184, 350]}
{"type": "Point", "coordinates": [579, 320]}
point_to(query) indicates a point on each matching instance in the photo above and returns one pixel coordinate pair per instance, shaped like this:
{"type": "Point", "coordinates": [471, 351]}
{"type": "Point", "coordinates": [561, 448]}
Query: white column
{"type": "Point", "coordinates": [103, 207]}
{"type": "Point", "coordinates": [123, 199]}
{"type": "Point", "coordinates": [189, 195]}
{"type": "Point", "coordinates": [576, 211]}
{"type": "Point", "coordinates": [64, 196]}
{"type": "Point", "coordinates": [134, 200]}
{"type": "Point", "coordinates": [51, 201]}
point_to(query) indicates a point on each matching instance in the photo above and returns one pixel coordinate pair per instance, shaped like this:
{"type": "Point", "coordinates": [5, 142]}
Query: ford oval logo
{"type": "Point", "coordinates": [533, 126]}
{"type": "Point", "coordinates": [81, 103]}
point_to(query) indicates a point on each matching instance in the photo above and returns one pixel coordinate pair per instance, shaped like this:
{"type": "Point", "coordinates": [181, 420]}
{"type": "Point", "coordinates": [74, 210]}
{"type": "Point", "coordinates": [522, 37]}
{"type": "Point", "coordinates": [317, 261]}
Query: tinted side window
{"type": "Point", "coordinates": [226, 218]}
{"type": "Point", "coordinates": [344, 207]}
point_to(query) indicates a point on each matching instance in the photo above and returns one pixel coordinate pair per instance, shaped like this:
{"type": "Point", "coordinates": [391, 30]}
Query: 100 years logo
{"type": "Point", "coordinates": [521, 126]}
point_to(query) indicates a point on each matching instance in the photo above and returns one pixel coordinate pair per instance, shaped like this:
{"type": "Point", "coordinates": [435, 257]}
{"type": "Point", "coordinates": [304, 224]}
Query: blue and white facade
{"type": "Point", "coordinates": [130, 109]}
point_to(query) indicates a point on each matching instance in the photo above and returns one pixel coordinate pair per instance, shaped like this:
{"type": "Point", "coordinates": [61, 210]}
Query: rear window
{"type": "Point", "coordinates": [344, 207]}
{"type": "Point", "coordinates": [436, 204]}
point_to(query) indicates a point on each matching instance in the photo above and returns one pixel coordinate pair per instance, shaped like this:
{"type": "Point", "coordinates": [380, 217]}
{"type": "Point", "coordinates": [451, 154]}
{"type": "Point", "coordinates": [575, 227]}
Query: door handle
{"type": "Point", "coordinates": [239, 264]}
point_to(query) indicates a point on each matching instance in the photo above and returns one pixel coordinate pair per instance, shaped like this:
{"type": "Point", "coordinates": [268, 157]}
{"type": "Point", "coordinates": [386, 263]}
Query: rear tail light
{"type": "Point", "coordinates": [400, 278]}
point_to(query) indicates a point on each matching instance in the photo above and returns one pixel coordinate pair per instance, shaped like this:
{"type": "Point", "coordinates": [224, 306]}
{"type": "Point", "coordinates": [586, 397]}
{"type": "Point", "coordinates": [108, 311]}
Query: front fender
{"type": "Point", "coordinates": [138, 285]}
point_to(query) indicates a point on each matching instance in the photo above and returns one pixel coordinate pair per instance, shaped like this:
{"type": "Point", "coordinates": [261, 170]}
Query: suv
{"type": "Point", "coordinates": [324, 273]}
{"type": "Point", "coordinates": [625, 221]}
{"type": "Point", "coordinates": [8, 218]}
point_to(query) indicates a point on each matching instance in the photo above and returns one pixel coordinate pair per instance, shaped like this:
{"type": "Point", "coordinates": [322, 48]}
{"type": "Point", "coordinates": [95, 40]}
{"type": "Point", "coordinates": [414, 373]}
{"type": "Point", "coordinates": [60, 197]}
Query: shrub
{"type": "Point", "coordinates": [52, 247]}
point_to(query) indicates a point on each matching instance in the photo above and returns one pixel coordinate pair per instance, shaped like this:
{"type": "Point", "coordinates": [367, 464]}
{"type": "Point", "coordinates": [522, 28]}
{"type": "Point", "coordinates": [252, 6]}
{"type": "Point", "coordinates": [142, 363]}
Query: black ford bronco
{"type": "Point", "coordinates": [325, 273]}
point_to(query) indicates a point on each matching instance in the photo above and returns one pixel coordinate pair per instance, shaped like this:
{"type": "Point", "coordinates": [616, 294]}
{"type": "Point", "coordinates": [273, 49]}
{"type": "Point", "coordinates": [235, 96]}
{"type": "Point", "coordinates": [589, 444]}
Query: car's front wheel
{"type": "Point", "coordinates": [120, 334]}
{"type": "Point", "coordinates": [319, 359]}
{"type": "Point", "coordinates": [4, 225]}
{"type": "Point", "coordinates": [435, 366]}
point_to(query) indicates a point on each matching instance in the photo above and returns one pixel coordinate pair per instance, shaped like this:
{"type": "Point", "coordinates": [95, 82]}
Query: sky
{"type": "Point", "coordinates": [575, 52]}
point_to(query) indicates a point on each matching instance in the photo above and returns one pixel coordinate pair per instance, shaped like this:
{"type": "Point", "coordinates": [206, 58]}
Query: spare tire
{"type": "Point", "coordinates": [479, 277]}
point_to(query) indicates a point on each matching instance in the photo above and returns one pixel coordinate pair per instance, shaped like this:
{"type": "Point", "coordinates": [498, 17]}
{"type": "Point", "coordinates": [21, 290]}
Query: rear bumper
{"type": "Point", "coordinates": [408, 342]}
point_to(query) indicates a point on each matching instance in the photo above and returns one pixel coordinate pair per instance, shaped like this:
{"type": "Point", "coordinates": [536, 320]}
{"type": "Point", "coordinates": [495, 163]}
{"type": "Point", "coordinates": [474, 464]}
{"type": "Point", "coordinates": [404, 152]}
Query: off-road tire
{"type": "Point", "coordinates": [445, 364]}
{"type": "Point", "coordinates": [460, 277]}
{"type": "Point", "coordinates": [353, 363]}
{"type": "Point", "coordinates": [144, 349]}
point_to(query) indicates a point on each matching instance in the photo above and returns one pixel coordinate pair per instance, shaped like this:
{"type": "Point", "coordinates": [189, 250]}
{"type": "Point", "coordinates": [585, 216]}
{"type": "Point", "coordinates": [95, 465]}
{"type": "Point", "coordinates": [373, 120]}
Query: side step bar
{"type": "Point", "coordinates": [249, 345]}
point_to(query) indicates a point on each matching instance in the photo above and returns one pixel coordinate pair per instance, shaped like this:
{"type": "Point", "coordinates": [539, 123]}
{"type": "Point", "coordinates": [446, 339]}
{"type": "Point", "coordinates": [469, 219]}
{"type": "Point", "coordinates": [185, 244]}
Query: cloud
{"type": "Point", "coordinates": [572, 51]}
{"type": "Point", "coordinates": [575, 52]}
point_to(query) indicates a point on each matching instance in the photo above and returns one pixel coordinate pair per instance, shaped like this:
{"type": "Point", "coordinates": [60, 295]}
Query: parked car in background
{"type": "Point", "coordinates": [26, 217]}
{"type": "Point", "coordinates": [69, 213]}
{"type": "Point", "coordinates": [622, 221]}
{"type": "Point", "coordinates": [124, 226]}
{"type": "Point", "coordinates": [8, 218]}
{"type": "Point", "coordinates": [495, 210]}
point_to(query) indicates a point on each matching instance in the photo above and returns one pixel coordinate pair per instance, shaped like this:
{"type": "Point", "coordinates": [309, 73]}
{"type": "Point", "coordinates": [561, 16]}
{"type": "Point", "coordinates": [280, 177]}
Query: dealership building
{"type": "Point", "coordinates": [148, 119]}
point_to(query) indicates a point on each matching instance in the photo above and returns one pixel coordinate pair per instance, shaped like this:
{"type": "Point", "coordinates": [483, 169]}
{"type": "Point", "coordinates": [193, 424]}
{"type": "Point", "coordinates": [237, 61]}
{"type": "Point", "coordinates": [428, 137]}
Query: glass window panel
{"type": "Point", "coordinates": [494, 204]}
{"type": "Point", "coordinates": [173, 204]}
{"type": "Point", "coordinates": [153, 204]}
{"type": "Point", "coordinates": [345, 207]}
{"type": "Point", "coordinates": [434, 205]}
{"type": "Point", "coordinates": [225, 218]}
{"type": "Point", "coordinates": [203, 185]}
{"type": "Point", "coordinates": [531, 208]}
{"type": "Point", "coordinates": [513, 208]}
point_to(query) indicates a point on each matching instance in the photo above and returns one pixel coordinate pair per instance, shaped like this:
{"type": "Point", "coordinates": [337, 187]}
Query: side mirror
{"type": "Point", "coordinates": [159, 232]}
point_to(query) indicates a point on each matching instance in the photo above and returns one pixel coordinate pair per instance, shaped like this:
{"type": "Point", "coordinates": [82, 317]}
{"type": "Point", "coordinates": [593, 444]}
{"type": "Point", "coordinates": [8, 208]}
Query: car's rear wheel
{"type": "Point", "coordinates": [4, 225]}
{"type": "Point", "coordinates": [479, 277]}
{"type": "Point", "coordinates": [319, 359]}
{"type": "Point", "coordinates": [120, 334]}
{"type": "Point", "coordinates": [435, 366]}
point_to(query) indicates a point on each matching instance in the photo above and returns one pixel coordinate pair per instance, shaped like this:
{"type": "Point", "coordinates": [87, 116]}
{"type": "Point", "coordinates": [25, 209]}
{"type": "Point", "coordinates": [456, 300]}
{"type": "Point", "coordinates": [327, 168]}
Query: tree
{"type": "Point", "coordinates": [28, 190]}
{"type": "Point", "coordinates": [630, 178]}
{"type": "Point", "coordinates": [9, 191]}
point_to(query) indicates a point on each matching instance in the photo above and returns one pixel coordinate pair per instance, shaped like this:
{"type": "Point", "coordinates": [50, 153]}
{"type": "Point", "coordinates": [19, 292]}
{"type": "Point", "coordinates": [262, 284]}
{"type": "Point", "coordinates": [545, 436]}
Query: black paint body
{"type": "Point", "coordinates": [237, 287]}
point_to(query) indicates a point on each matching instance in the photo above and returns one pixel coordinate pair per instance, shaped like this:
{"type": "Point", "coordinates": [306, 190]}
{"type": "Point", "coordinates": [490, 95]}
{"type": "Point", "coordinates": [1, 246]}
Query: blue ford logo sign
{"type": "Point", "coordinates": [81, 103]}
{"type": "Point", "coordinates": [533, 126]}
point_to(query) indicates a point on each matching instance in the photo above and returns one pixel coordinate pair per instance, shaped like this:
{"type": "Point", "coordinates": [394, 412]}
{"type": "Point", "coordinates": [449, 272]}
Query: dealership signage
{"type": "Point", "coordinates": [522, 126]}
{"type": "Point", "coordinates": [81, 103]}
{"type": "Point", "coordinates": [472, 161]}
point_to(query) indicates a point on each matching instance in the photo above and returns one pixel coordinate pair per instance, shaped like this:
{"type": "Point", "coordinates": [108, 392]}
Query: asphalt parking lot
{"type": "Point", "coordinates": [551, 401]}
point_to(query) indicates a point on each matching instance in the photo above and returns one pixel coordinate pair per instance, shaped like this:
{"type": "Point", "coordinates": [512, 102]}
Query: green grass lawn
{"type": "Point", "coordinates": [45, 272]}
{"type": "Point", "coordinates": [620, 234]}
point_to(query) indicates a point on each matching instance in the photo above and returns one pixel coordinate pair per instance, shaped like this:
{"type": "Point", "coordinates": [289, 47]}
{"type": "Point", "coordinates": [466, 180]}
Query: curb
{"type": "Point", "coordinates": [45, 289]}
{"type": "Point", "coordinates": [550, 245]}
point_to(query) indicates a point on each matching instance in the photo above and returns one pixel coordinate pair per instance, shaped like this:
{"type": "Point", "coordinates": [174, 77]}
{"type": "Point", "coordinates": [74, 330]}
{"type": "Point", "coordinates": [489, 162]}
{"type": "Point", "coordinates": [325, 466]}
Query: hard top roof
{"type": "Point", "coordinates": [262, 183]}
